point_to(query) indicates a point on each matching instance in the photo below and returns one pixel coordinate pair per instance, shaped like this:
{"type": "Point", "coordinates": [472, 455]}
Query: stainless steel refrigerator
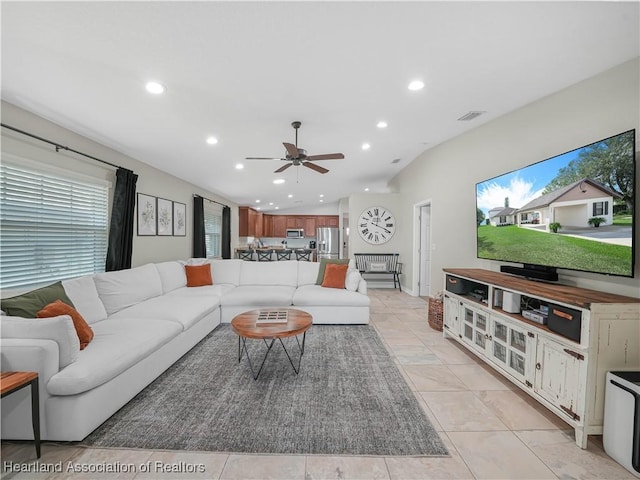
{"type": "Point", "coordinates": [328, 242]}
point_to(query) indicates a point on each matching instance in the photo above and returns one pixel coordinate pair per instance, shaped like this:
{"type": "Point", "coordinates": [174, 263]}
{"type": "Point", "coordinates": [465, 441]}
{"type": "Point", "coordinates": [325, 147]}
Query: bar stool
{"type": "Point", "coordinates": [246, 255]}
{"type": "Point", "coordinates": [264, 255]}
{"type": "Point", "coordinates": [284, 254]}
{"type": "Point", "coordinates": [303, 255]}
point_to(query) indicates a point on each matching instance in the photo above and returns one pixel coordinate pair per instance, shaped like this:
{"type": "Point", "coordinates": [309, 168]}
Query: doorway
{"type": "Point", "coordinates": [422, 261]}
{"type": "Point", "coordinates": [345, 235]}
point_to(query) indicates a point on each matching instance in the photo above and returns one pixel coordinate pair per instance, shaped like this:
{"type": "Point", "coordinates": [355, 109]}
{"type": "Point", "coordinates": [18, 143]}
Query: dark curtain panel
{"type": "Point", "coordinates": [199, 245]}
{"type": "Point", "coordinates": [226, 232]}
{"type": "Point", "coordinates": [122, 215]}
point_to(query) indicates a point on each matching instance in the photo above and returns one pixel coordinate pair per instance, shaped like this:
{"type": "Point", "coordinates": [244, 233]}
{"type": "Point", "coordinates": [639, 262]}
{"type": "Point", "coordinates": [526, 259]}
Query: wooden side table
{"type": "Point", "coordinates": [13, 381]}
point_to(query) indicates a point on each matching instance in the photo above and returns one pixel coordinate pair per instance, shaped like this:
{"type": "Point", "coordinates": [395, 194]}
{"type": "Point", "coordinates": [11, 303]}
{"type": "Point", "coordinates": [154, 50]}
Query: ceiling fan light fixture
{"type": "Point", "coordinates": [239, 166]}
{"type": "Point", "coordinates": [278, 181]}
{"type": "Point", "coordinates": [296, 156]}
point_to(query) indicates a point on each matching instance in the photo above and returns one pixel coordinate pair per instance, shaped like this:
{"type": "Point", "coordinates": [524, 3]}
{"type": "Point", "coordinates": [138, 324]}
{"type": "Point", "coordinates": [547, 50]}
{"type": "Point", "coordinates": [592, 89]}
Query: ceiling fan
{"type": "Point", "coordinates": [298, 156]}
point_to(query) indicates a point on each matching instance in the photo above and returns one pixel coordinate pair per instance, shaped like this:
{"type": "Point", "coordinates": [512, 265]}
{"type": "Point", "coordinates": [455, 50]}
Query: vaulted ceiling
{"type": "Point", "coordinates": [243, 71]}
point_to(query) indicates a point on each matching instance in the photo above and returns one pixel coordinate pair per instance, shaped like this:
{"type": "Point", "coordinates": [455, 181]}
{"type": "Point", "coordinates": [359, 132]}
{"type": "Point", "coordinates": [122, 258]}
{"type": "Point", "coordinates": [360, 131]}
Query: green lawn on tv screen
{"type": "Point", "coordinates": [522, 245]}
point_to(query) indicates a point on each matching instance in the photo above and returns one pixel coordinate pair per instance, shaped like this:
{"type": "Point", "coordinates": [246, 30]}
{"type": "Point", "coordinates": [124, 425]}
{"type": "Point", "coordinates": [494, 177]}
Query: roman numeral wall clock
{"type": "Point", "coordinates": [376, 225]}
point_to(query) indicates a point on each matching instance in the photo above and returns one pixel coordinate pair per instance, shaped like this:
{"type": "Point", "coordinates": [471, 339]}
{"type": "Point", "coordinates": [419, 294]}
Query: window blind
{"type": "Point", "coordinates": [213, 229]}
{"type": "Point", "coordinates": [52, 227]}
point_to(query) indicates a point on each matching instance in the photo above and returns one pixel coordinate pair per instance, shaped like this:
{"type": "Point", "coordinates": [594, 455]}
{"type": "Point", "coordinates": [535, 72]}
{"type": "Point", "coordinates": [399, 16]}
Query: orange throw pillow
{"type": "Point", "coordinates": [198, 275]}
{"type": "Point", "coordinates": [84, 331]}
{"type": "Point", "coordinates": [335, 275]}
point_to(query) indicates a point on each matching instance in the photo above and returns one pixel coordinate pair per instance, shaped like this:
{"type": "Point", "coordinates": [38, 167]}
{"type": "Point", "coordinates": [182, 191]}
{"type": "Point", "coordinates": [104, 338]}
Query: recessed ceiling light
{"type": "Point", "coordinates": [155, 88]}
{"type": "Point", "coordinates": [321, 200]}
{"type": "Point", "coordinates": [257, 201]}
{"type": "Point", "coordinates": [212, 140]}
{"type": "Point", "coordinates": [270, 203]}
{"type": "Point", "coordinates": [258, 208]}
{"type": "Point", "coordinates": [321, 195]}
{"type": "Point", "coordinates": [239, 166]}
{"type": "Point", "coordinates": [366, 146]}
{"type": "Point", "coordinates": [366, 189]}
{"type": "Point", "coordinates": [277, 208]}
{"type": "Point", "coordinates": [290, 195]}
{"type": "Point", "coordinates": [382, 124]}
{"type": "Point", "coordinates": [278, 181]}
{"type": "Point", "coordinates": [416, 85]}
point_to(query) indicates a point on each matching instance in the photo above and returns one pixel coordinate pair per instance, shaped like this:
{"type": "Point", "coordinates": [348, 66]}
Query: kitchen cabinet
{"type": "Point", "coordinates": [267, 225]}
{"type": "Point", "coordinates": [256, 224]}
{"type": "Point", "coordinates": [566, 375]}
{"type": "Point", "coordinates": [328, 221]}
{"type": "Point", "coordinates": [249, 222]}
{"type": "Point", "coordinates": [310, 226]}
{"type": "Point", "coordinates": [294, 221]}
{"type": "Point", "coordinates": [279, 226]}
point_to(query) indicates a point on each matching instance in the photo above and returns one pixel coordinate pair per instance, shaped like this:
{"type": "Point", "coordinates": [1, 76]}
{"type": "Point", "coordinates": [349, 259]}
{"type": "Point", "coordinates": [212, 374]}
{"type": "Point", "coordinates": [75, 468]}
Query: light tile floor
{"type": "Point", "coordinates": [491, 428]}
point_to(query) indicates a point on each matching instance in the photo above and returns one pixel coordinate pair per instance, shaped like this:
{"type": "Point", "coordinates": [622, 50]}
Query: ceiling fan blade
{"type": "Point", "coordinates": [326, 156]}
{"type": "Point", "coordinates": [292, 150]}
{"type": "Point", "coordinates": [263, 158]}
{"type": "Point", "coordinates": [283, 168]}
{"type": "Point", "coordinates": [315, 167]}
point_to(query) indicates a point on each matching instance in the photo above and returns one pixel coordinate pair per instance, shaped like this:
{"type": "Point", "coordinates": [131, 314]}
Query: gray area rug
{"type": "Point", "coordinates": [348, 399]}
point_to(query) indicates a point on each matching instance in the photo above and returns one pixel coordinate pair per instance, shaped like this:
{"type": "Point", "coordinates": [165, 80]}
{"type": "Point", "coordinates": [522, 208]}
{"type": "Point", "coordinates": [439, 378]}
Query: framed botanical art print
{"type": "Point", "coordinates": [179, 219]}
{"type": "Point", "coordinates": [146, 215]}
{"type": "Point", "coordinates": [165, 217]}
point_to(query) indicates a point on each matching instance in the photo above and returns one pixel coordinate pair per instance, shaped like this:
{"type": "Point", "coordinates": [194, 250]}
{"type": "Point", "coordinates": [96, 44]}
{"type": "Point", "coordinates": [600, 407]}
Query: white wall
{"type": "Point", "coordinates": [591, 110]}
{"type": "Point", "coordinates": [151, 181]}
{"type": "Point", "coordinates": [318, 209]}
{"type": "Point", "coordinates": [392, 202]}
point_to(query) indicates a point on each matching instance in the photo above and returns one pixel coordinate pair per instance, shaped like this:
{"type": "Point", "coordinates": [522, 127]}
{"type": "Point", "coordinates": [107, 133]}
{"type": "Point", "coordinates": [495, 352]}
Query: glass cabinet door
{"type": "Point", "coordinates": [475, 329]}
{"type": "Point", "coordinates": [512, 348]}
{"type": "Point", "coordinates": [500, 334]}
{"type": "Point", "coordinates": [481, 330]}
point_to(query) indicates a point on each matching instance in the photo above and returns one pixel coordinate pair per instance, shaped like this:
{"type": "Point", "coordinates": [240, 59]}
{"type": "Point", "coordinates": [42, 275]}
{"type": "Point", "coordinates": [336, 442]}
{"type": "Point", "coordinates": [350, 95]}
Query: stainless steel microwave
{"type": "Point", "coordinates": [295, 233]}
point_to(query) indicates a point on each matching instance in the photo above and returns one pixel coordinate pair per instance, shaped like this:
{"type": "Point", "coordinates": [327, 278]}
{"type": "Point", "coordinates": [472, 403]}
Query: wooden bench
{"type": "Point", "coordinates": [380, 263]}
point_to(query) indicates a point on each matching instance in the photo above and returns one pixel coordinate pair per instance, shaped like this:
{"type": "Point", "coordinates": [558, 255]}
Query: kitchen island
{"type": "Point", "coordinates": [274, 250]}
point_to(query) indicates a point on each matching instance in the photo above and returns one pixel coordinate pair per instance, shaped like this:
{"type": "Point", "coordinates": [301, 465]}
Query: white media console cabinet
{"type": "Point", "coordinates": [567, 375]}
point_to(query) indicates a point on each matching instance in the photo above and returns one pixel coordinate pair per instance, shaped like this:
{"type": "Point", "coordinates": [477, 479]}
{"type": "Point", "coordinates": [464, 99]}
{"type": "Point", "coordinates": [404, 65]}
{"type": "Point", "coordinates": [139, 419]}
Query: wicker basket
{"type": "Point", "coordinates": [436, 314]}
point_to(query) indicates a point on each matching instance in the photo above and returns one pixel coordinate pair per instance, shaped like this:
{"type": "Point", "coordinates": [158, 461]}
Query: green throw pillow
{"type": "Point", "coordinates": [30, 303]}
{"type": "Point", "coordinates": [323, 266]}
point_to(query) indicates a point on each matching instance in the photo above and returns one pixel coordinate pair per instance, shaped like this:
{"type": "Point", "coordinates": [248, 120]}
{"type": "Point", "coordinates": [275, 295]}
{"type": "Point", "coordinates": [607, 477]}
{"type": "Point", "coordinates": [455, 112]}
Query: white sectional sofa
{"type": "Point", "coordinates": [143, 320]}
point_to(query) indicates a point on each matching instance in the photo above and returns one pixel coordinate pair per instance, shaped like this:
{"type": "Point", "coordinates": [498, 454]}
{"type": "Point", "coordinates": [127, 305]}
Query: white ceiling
{"type": "Point", "coordinates": [243, 71]}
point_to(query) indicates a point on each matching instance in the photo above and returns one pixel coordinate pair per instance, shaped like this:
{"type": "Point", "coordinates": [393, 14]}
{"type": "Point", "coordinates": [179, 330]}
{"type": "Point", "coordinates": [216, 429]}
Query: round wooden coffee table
{"type": "Point", "coordinates": [270, 325]}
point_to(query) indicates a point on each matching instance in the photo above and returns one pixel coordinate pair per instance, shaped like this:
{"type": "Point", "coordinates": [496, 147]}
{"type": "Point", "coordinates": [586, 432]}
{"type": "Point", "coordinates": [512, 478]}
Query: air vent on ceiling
{"type": "Point", "coordinates": [470, 116]}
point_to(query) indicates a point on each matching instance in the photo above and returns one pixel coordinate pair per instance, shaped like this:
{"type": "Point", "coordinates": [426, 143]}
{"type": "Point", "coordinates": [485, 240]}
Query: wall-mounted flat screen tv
{"type": "Point", "coordinates": [573, 211]}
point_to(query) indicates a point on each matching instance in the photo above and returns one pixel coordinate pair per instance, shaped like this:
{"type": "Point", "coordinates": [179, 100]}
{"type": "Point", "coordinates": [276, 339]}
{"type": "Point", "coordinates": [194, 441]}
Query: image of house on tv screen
{"type": "Point", "coordinates": [572, 211]}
